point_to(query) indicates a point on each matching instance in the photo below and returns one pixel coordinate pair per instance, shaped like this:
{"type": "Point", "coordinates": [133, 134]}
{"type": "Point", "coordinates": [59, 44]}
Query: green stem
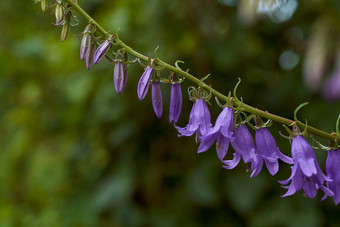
{"type": "Point", "coordinates": [193, 79]}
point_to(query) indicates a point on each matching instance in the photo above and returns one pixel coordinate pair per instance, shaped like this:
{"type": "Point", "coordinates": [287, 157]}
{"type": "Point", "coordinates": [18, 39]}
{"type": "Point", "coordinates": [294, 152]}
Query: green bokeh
{"type": "Point", "coordinates": [74, 153]}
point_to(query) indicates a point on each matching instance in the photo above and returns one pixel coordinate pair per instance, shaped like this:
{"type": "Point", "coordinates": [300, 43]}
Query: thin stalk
{"type": "Point", "coordinates": [196, 81]}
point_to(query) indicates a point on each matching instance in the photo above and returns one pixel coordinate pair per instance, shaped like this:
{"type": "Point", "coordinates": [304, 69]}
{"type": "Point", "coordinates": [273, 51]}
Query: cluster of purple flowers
{"type": "Point", "coordinates": [306, 172]}
{"type": "Point", "coordinates": [93, 55]}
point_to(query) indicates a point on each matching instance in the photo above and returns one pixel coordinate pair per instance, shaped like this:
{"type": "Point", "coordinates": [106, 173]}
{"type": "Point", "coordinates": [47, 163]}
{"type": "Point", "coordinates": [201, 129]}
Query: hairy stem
{"type": "Point", "coordinates": [196, 81]}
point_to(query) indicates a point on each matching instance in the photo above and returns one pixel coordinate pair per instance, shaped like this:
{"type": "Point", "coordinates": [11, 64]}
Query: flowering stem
{"type": "Point", "coordinates": [203, 85]}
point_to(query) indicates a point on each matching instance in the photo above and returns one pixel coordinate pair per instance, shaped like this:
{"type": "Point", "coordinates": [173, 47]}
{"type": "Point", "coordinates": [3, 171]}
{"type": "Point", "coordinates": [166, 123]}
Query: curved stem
{"type": "Point", "coordinates": [193, 79]}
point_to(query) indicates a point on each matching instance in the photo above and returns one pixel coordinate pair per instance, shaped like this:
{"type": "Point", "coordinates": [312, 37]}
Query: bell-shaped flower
{"type": "Point", "coordinates": [268, 151]}
{"type": "Point", "coordinates": [157, 101]}
{"type": "Point", "coordinates": [199, 120]}
{"type": "Point", "coordinates": [144, 83]}
{"type": "Point", "coordinates": [120, 76]}
{"type": "Point", "coordinates": [102, 50]}
{"type": "Point", "coordinates": [223, 132]}
{"type": "Point", "coordinates": [333, 172]}
{"type": "Point", "coordinates": [175, 102]}
{"type": "Point", "coordinates": [306, 172]}
{"type": "Point", "coordinates": [244, 147]}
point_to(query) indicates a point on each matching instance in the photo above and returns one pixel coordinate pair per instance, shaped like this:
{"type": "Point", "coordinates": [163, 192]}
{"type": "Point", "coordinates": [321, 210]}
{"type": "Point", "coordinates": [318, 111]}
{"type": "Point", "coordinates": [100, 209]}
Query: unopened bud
{"type": "Point", "coordinates": [103, 49]}
{"type": "Point", "coordinates": [43, 5]}
{"type": "Point", "coordinates": [65, 30]}
{"type": "Point", "coordinates": [120, 76]}
{"type": "Point", "coordinates": [157, 101]}
{"type": "Point", "coordinates": [85, 42]}
{"type": "Point", "coordinates": [89, 55]}
{"type": "Point", "coordinates": [144, 83]}
{"type": "Point", "coordinates": [59, 13]}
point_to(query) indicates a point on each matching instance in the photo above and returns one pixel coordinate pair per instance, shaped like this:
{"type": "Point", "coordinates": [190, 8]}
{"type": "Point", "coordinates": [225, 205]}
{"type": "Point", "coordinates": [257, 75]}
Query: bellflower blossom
{"type": "Point", "coordinates": [333, 172]}
{"type": "Point", "coordinates": [268, 151]}
{"type": "Point", "coordinates": [223, 132]}
{"type": "Point", "coordinates": [144, 82]}
{"type": "Point", "coordinates": [120, 76]}
{"type": "Point", "coordinates": [199, 120]}
{"type": "Point", "coordinates": [157, 101]}
{"type": "Point", "coordinates": [306, 172]}
{"type": "Point", "coordinates": [102, 50]}
{"type": "Point", "coordinates": [244, 147]}
{"type": "Point", "coordinates": [175, 102]}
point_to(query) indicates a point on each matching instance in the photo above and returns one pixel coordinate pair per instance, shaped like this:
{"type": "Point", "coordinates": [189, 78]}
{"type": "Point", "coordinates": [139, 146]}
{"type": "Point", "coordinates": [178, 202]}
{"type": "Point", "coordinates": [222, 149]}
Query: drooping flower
{"type": "Point", "coordinates": [268, 151]}
{"type": "Point", "coordinates": [85, 42]}
{"type": "Point", "coordinates": [244, 147]}
{"type": "Point", "coordinates": [157, 100]}
{"type": "Point", "coordinates": [199, 120]}
{"type": "Point", "coordinates": [102, 50]}
{"type": "Point", "coordinates": [144, 83]}
{"type": "Point", "coordinates": [223, 132]}
{"type": "Point", "coordinates": [333, 172]}
{"type": "Point", "coordinates": [120, 76]}
{"type": "Point", "coordinates": [331, 90]}
{"type": "Point", "coordinates": [175, 102]}
{"type": "Point", "coordinates": [306, 172]}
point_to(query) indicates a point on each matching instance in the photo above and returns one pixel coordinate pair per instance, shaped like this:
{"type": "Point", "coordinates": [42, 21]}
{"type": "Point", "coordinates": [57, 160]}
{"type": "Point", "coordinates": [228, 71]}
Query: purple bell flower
{"type": "Point", "coordinates": [333, 172]}
{"type": "Point", "coordinates": [223, 132]}
{"type": "Point", "coordinates": [244, 147]}
{"type": "Point", "coordinates": [268, 151]}
{"type": "Point", "coordinates": [144, 83]}
{"type": "Point", "coordinates": [120, 76]}
{"type": "Point", "coordinates": [199, 120]}
{"type": "Point", "coordinates": [157, 101]}
{"type": "Point", "coordinates": [306, 172]}
{"type": "Point", "coordinates": [102, 50]}
{"type": "Point", "coordinates": [175, 102]}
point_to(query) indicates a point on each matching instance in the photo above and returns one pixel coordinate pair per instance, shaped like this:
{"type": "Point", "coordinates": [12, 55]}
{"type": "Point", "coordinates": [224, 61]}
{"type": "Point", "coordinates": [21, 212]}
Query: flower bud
{"type": "Point", "coordinates": [85, 42]}
{"type": "Point", "coordinates": [43, 5]}
{"type": "Point", "coordinates": [59, 13]}
{"type": "Point", "coordinates": [120, 76]}
{"type": "Point", "coordinates": [157, 101]}
{"type": "Point", "coordinates": [89, 55]}
{"type": "Point", "coordinates": [144, 83]}
{"type": "Point", "coordinates": [175, 102]}
{"type": "Point", "coordinates": [65, 30]}
{"type": "Point", "coordinates": [103, 49]}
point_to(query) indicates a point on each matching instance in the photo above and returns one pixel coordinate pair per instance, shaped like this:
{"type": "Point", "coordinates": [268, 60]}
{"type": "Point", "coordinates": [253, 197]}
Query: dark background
{"type": "Point", "coordinates": [74, 153]}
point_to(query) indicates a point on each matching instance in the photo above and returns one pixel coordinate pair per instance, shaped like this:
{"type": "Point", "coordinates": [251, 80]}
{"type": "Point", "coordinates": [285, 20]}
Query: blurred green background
{"type": "Point", "coordinates": [74, 153]}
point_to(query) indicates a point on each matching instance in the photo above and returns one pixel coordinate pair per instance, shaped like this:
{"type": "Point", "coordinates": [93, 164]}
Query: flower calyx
{"type": "Point", "coordinates": [199, 93]}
